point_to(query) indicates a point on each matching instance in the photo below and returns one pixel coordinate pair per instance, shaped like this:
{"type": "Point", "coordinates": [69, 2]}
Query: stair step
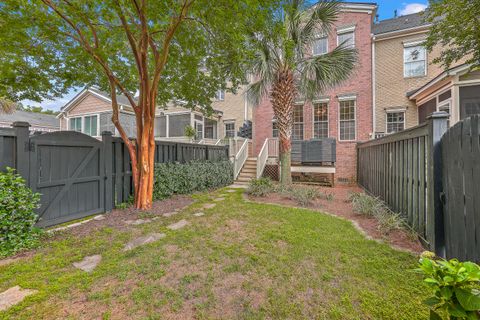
{"type": "Point", "coordinates": [248, 170]}
{"type": "Point", "coordinates": [240, 179]}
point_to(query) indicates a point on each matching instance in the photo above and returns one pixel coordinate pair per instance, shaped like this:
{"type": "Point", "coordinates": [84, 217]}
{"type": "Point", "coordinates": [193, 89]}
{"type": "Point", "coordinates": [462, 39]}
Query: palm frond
{"type": "Point", "coordinates": [318, 20]}
{"type": "Point", "coordinates": [6, 106]}
{"type": "Point", "coordinates": [319, 73]}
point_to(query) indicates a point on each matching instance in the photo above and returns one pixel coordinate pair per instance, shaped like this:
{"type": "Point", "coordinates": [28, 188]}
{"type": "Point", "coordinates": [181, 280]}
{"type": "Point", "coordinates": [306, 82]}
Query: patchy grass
{"type": "Point", "coordinates": [241, 260]}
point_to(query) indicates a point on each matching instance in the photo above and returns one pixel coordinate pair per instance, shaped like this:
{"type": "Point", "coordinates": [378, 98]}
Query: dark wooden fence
{"type": "Point", "coordinates": [78, 175]}
{"type": "Point", "coordinates": [431, 176]}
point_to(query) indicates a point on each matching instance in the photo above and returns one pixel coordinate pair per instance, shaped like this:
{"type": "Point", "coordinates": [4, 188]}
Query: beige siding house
{"type": "Point", "coordinates": [90, 112]}
{"type": "Point", "coordinates": [407, 85]}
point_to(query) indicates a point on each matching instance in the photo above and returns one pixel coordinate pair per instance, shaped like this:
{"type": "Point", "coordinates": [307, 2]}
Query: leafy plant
{"type": "Point", "coordinates": [260, 187]}
{"type": "Point", "coordinates": [190, 132]}
{"type": "Point", "coordinates": [17, 215]}
{"type": "Point", "coordinates": [455, 286]}
{"type": "Point", "coordinates": [303, 195]}
{"type": "Point", "coordinates": [184, 178]}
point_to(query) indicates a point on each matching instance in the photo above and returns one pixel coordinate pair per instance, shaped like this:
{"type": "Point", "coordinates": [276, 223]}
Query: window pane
{"type": "Point", "coordinates": [414, 61]}
{"type": "Point", "coordinates": [347, 39]}
{"type": "Point", "coordinates": [347, 120]}
{"type": "Point", "coordinates": [76, 124]}
{"type": "Point", "coordinates": [395, 122]}
{"type": "Point", "coordinates": [94, 126]}
{"type": "Point", "coordinates": [87, 126]}
{"type": "Point", "coordinates": [320, 46]}
{"type": "Point", "coordinates": [320, 120]}
{"type": "Point", "coordinates": [274, 129]}
{"type": "Point", "coordinates": [230, 130]}
{"type": "Point", "coordinates": [297, 133]}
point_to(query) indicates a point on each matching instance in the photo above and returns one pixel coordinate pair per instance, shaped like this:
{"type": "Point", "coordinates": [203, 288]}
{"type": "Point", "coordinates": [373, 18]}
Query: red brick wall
{"type": "Point", "coordinates": [359, 84]}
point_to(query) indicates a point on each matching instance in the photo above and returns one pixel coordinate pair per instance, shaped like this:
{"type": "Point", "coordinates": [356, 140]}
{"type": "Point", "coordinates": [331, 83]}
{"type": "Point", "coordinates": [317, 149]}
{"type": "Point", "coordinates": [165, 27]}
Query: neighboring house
{"type": "Point", "coordinates": [408, 86]}
{"type": "Point", "coordinates": [90, 112]}
{"type": "Point", "coordinates": [38, 121]}
{"type": "Point", "coordinates": [344, 113]}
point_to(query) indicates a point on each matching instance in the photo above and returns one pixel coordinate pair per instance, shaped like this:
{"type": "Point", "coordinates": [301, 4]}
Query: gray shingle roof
{"type": "Point", "coordinates": [35, 119]}
{"type": "Point", "coordinates": [400, 23]}
{"type": "Point", "coordinates": [121, 99]}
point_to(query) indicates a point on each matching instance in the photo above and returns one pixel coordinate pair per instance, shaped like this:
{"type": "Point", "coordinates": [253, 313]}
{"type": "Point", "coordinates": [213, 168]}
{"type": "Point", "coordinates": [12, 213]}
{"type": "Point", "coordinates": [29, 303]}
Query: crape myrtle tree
{"type": "Point", "coordinates": [153, 52]}
{"type": "Point", "coordinates": [456, 28]}
{"type": "Point", "coordinates": [284, 69]}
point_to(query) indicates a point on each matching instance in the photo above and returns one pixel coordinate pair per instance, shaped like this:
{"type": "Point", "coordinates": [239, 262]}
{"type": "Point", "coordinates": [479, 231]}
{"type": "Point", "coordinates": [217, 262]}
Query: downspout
{"type": "Point", "coordinates": [374, 120]}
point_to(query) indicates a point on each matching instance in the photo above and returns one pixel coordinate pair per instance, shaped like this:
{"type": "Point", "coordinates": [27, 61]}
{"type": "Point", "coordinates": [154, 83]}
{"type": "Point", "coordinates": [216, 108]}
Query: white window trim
{"type": "Point", "coordinates": [273, 122]}
{"type": "Point", "coordinates": [321, 54]}
{"type": "Point", "coordinates": [234, 128]}
{"type": "Point", "coordinates": [220, 97]}
{"type": "Point", "coordinates": [343, 32]}
{"type": "Point", "coordinates": [354, 117]}
{"type": "Point", "coordinates": [328, 116]}
{"type": "Point", "coordinates": [303, 120]}
{"type": "Point", "coordinates": [415, 44]}
{"type": "Point", "coordinates": [346, 29]}
{"type": "Point", "coordinates": [82, 123]}
{"type": "Point", "coordinates": [395, 111]}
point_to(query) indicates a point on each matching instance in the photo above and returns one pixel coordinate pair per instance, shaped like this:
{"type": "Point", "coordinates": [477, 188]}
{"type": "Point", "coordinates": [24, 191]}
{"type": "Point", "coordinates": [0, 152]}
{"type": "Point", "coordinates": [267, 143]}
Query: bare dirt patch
{"type": "Point", "coordinates": [341, 206]}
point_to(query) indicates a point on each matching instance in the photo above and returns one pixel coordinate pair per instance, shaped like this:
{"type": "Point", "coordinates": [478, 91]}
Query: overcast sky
{"type": "Point", "coordinates": [386, 9]}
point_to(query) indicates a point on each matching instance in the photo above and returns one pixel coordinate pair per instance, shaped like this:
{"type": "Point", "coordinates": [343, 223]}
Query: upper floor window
{"type": "Point", "coordinates": [220, 96]}
{"type": "Point", "coordinates": [86, 124]}
{"type": "Point", "coordinates": [414, 61]}
{"type": "Point", "coordinates": [320, 120]}
{"type": "Point", "coordinates": [347, 120]}
{"type": "Point", "coordinates": [297, 132]}
{"type": "Point", "coordinates": [230, 129]}
{"type": "Point", "coordinates": [395, 121]}
{"type": "Point", "coordinates": [346, 35]}
{"type": "Point", "coordinates": [320, 46]}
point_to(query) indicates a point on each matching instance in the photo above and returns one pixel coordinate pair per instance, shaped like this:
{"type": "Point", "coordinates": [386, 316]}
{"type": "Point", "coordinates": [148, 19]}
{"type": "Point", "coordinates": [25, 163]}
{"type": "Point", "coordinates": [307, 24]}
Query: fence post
{"type": "Point", "coordinates": [435, 224]}
{"type": "Point", "coordinates": [107, 150]}
{"type": "Point", "coordinates": [22, 148]}
{"type": "Point", "coordinates": [206, 152]}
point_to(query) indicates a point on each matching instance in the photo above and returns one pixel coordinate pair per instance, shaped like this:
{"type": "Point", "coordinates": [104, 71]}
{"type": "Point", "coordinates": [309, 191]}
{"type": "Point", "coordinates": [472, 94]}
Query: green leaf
{"type": "Point", "coordinates": [446, 292]}
{"type": "Point", "coordinates": [468, 300]}
{"type": "Point", "coordinates": [434, 315]}
{"type": "Point", "coordinates": [456, 311]}
{"type": "Point", "coordinates": [432, 301]}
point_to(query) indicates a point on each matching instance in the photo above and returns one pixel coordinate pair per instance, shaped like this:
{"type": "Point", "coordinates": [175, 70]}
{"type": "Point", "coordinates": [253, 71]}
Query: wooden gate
{"type": "Point", "coordinates": [67, 169]}
{"type": "Point", "coordinates": [461, 188]}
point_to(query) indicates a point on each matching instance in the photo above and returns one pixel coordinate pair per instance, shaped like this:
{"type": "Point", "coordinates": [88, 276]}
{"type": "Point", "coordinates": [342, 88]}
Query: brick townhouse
{"type": "Point", "coordinates": [343, 113]}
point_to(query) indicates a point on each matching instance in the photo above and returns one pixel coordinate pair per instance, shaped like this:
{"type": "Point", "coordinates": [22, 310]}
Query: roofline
{"type": "Point", "coordinates": [359, 6]}
{"type": "Point", "coordinates": [452, 71]}
{"type": "Point", "coordinates": [401, 32]}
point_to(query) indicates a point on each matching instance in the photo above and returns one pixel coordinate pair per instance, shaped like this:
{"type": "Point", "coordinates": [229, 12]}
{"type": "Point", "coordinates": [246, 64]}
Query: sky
{"type": "Point", "coordinates": [386, 9]}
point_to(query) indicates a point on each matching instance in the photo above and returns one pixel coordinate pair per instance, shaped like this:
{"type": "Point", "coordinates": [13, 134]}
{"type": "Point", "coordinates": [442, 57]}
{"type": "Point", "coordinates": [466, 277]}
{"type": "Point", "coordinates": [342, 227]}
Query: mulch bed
{"type": "Point", "coordinates": [342, 207]}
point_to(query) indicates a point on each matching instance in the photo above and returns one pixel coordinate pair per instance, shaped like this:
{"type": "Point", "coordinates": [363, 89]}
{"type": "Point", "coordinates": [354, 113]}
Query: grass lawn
{"type": "Point", "coordinates": [240, 260]}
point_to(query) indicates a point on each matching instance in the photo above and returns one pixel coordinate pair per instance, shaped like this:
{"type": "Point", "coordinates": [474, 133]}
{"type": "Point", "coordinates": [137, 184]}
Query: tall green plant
{"type": "Point", "coordinates": [17, 215]}
{"type": "Point", "coordinates": [284, 69]}
{"type": "Point", "coordinates": [455, 286]}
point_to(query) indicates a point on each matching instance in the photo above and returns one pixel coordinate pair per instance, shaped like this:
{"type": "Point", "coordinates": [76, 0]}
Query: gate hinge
{"type": "Point", "coordinates": [29, 146]}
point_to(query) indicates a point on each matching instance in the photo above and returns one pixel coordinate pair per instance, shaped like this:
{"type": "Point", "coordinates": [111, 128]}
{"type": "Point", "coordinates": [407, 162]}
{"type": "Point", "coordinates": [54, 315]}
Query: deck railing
{"type": "Point", "coordinates": [262, 158]}
{"type": "Point", "coordinates": [240, 158]}
{"type": "Point", "coordinates": [273, 150]}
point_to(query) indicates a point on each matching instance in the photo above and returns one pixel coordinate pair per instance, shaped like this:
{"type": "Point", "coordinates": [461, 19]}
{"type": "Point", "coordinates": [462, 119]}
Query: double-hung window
{"type": "Point", "coordinates": [395, 121]}
{"type": "Point", "coordinates": [297, 132]}
{"type": "Point", "coordinates": [346, 36]}
{"type": "Point", "coordinates": [347, 120]}
{"type": "Point", "coordinates": [320, 120]}
{"type": "Point", "coordinates": [230, 129]}
{"type": "Point", "coordinates": [320, 46]}
{"type": "Point", "coordinates": [76, 124]}
{"type": "Point", "coordinates": [414, 61]}
{"type": "Point", "coordinates": [220, 96]}
{"type": "Point", "coordinates": [274, 129]}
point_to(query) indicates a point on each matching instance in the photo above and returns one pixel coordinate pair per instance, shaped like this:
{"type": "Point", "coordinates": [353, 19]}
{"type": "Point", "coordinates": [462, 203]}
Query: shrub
{"type": "Point", "coordinates": [303, 195]}
{"type": "Point", "coordinates": [183, 178]}
{"type": "Point", "coordinates": [455, 286]}
{"type": "Point", "coordinates": [374, 207]}
{"type": "Point", "coordinates": [17, 215]}
{"type": "Point", "coordinates": [260, 187]}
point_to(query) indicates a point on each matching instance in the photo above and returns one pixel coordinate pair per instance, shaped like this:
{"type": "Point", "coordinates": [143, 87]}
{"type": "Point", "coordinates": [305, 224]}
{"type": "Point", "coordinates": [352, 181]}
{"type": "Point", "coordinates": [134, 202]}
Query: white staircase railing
{"type": "Point", "coordinates": [262, 158]}
{"type": "Point", "coordinates": [240, 158]}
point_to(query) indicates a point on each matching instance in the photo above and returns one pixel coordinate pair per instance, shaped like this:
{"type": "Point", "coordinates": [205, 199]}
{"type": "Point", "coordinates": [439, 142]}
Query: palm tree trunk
{"type": "Point", "coordinates": [282, 99]}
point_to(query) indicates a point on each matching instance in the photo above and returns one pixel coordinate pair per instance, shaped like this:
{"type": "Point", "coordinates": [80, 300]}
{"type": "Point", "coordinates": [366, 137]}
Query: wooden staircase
{"type": "Point", "coordinates": [248, 172]}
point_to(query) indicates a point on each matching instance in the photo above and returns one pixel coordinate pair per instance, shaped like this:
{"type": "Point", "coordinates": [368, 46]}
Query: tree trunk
{"type": "Point", "coordinates": [282, 99]}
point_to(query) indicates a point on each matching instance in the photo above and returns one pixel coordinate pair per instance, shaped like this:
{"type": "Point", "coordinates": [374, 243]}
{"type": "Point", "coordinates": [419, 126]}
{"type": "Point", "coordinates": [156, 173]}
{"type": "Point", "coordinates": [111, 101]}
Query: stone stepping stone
{"type": "Point", "coordinates": [13, 296]}
{"type": "Point", "coordinates": [88, 263]}
{"type": "Point", "coordinates": [219, 199]}
{"type": "Point", "coordinates": [169, 214]}
{"type": "Point", "coordinates": [199, 214]}
{"type": "Point", "coordinates": [99, 217]}
{"type": "Point", "coordinates": [149, 238]}
{"type": "Point", "coordinates": [137, 222]}
{"type": "Point", "coordinates": [209, 205]}
{"type": "Point", "coordinates": [178, 225]}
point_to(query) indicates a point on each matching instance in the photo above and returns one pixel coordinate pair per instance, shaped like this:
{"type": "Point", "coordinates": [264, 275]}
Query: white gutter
{"type": "Point", "coordinates": [374, 105]}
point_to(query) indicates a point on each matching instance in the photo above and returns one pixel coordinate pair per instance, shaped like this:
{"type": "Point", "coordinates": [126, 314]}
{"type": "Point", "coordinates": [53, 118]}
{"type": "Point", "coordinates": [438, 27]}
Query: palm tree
{"type": "Point", "coordinates": [284, 70]}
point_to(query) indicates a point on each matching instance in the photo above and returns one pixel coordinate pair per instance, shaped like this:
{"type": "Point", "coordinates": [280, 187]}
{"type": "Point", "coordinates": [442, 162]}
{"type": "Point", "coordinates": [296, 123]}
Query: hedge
{"type": "Point", "coordinates": [184, 178]}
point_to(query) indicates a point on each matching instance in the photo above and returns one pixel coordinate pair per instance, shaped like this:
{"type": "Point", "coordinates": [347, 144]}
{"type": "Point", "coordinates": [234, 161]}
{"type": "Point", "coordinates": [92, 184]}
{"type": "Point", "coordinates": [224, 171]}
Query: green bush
{"type": "Point", "coordinates": [455, 286]}
{"type": "Point", "coordinates": [304, 195]}
{"type": "Point", "coordinates": [184, 178]}
{"type": "Point", "coordinates": [260, 187]}
{"type": "Point", "coordinates": [17, 216]}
